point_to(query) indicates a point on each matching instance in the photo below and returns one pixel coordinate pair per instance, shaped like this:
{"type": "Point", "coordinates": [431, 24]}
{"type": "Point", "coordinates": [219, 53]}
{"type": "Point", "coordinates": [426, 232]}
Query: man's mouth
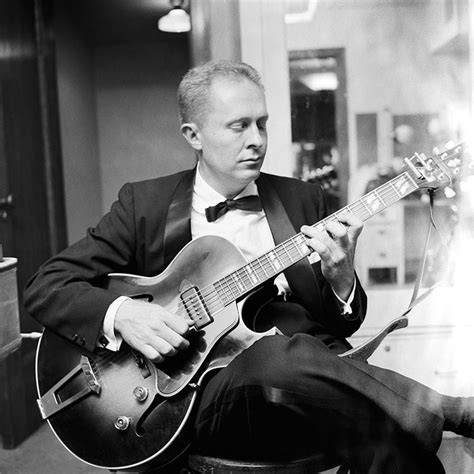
{"type": "Point", "coordinates": [253, 159]}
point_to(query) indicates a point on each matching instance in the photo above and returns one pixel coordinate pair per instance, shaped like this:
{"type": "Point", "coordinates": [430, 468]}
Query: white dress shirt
{"type": "Point", "coordinates": [247, 230]}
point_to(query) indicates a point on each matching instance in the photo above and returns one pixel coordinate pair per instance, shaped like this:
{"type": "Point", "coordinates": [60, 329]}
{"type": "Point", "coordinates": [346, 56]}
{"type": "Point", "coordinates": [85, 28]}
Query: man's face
{"type": "Point", "coordinates": [232, 135]}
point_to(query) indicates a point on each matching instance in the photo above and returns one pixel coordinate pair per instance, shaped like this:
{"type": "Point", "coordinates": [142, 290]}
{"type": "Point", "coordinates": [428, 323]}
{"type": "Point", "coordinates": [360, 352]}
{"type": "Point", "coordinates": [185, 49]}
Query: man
{"type": "Point", "coordinates": [287, 395]}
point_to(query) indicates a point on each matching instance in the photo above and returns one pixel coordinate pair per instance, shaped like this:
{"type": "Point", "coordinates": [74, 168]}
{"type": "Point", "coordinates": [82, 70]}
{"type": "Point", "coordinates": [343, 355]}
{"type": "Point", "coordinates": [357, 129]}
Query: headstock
{"type": "Point", "coordinates": [440, 169]}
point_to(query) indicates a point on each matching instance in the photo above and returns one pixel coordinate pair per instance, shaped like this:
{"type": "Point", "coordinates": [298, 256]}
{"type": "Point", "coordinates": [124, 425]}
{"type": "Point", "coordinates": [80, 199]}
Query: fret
{"type": "Point", "coordinates": [252, 274]}
{"type": "Point", "coordinates": [371, 200]}
{"type": "Point", "coordinates": [223, 293]}
{"type": "Point", "coordinates": [412, 180]}
{"type": "Point", "coordinates": [403, 185]}
{"type": "Point", "coordinates": [395, 189]}
{"type": "Point", "coordinates": [275, 261]}
{"type": "Point", "coordinates": [268, 267]}
{"type": "Point", "coordinates": [349, 208]}
{"type": "Point", "coordinates": [265, 274]}
{"type": "Point", "coordinates": [379, 197]}
{"type": "Point", "coordinates": [245, 277]}
{"type": "Point", "coordinates": [228, 290]}
{"type": "Point", "coordinates": [286, 250]}
{"type": "Point", "coordinates": [300, 245]}
{"type": "Point", "coordinates": [259, 274]}
{"type": "Point", "coordinates": [231, 285]}
{"type": "Point", "coordinates": [259, 270]}
{"type": "Point", "coordinates": [294, 253]}
{"type": "Point", "coordinates": [238, 282]}
{"type": "Point", "coordinates": [366, 207]}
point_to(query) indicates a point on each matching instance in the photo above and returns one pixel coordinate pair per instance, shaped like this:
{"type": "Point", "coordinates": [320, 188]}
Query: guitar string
{"type": "Point", "coordinates": [210, 295]}
{"type": "Point", "coordinates": [382, 196]}
{"type": "Point", "coordinates": [379, 196]}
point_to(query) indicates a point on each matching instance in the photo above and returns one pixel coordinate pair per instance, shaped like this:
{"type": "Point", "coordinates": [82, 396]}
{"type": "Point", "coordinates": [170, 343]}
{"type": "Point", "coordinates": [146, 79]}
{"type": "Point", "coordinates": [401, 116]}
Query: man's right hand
{"type": "Point", "coordinates": [151, 329]}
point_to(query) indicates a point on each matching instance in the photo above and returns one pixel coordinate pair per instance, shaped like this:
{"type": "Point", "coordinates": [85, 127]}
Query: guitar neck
{"type": "Point", "coordinates": [258, 271]}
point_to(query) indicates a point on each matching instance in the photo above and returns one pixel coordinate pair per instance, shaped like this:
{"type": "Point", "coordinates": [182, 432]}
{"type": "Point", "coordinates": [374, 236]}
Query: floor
{"type": "Point", "coordinates": [42, 453]}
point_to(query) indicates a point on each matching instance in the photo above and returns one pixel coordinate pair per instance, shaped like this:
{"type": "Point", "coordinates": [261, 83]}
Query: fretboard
{"type": "Point", "coordinates": [258, 271]}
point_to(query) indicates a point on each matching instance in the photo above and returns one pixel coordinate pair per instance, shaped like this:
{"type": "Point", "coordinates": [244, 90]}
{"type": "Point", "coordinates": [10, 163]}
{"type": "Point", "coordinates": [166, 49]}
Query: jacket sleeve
{"type": "Point", "coordinates": [331, 316]}
{"type": "Point", "coordinates": [64, 295]}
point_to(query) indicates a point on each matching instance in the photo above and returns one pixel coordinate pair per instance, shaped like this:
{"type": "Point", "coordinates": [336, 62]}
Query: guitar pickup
{"type": "Point", "coordinates": [195, 307]}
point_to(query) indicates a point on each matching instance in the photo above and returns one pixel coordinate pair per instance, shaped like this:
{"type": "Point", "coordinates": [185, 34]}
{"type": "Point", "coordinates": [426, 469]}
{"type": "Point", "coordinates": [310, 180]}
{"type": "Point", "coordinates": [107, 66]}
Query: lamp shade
{"type": "Point", "coordinates": [176, 21]}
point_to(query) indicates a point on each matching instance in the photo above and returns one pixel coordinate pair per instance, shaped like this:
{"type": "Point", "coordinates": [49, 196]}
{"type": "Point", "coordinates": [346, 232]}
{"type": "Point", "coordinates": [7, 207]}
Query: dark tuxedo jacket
{"type": "Point", "coordinates": [146, 227]}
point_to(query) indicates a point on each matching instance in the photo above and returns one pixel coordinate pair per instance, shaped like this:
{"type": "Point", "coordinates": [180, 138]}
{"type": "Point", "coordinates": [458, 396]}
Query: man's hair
{"type": "Point", "coordinates": [194, 87]}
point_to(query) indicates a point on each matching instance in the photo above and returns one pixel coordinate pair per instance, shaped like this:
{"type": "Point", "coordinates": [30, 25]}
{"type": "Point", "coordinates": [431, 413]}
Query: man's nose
{"type": "Point", "coordinates": [256, 137]}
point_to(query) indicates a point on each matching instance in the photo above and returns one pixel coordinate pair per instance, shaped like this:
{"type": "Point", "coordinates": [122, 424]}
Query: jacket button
{"type": "Point", "coordinates": [79, 340]}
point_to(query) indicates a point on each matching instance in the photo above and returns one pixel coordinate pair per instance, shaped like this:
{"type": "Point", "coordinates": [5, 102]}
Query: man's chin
{"type": "Point", "coordinates": [249, 175]}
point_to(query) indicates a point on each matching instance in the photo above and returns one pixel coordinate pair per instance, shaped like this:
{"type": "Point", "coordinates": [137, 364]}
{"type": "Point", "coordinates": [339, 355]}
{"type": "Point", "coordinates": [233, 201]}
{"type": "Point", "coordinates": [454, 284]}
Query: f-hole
{"type": "Point", "coordinates": [142, 296]}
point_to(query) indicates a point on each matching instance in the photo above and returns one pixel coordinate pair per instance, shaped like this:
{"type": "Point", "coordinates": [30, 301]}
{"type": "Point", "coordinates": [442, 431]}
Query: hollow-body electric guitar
{"type": "Point", "coordinates": [120, 411]}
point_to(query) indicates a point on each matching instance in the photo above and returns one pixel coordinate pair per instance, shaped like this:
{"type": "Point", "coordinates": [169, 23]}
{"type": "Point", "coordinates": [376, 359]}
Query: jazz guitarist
{"type": "Point", "coordinates": [287, 395]}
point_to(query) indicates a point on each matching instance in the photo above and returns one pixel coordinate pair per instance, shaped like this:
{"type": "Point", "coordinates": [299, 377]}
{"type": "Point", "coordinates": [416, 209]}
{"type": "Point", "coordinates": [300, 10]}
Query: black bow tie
{"type": "Point", "coordinates": [247, 203]}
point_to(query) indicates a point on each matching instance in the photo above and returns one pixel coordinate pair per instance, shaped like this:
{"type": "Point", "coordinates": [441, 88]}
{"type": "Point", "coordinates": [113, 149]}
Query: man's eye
{"type": "Point", "coordinates": [262, 125]}
{"type": "Point", "coordinates": [239, 125]}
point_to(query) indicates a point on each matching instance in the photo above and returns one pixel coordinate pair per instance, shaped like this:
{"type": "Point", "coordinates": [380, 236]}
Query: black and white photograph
{"type": "Point", "coordinates": [236, 236]}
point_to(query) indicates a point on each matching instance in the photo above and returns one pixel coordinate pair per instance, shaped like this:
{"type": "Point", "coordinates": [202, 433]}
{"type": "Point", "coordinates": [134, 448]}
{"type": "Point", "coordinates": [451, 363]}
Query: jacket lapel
{"type": "Point", "coordinates": [300, 276]}
{"type": "Point", "coordinates": [178, 222]}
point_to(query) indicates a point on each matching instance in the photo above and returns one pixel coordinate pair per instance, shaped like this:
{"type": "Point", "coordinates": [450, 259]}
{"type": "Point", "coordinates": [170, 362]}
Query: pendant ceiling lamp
{"type": "Point", "coordinates": [177, 20]}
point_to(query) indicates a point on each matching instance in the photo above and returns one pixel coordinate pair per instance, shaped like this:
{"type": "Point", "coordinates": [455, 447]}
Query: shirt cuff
{"type": "Point", "coordinates": [346, 305]}
{"type": "Point", "coordinates": [110, 340]}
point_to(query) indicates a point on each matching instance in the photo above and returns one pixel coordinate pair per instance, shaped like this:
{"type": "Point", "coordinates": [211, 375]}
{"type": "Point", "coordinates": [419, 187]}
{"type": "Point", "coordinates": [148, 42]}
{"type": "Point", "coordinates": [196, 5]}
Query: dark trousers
{"type": "Point", "coordinates": [288, 397]}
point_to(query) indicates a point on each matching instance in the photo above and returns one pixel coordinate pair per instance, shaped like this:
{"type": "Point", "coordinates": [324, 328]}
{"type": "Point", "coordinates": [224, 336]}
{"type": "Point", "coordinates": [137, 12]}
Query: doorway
{"type": "Point", "coordinates": [319, 120]}
{"type": "Point", "coordinates": [32, 220]}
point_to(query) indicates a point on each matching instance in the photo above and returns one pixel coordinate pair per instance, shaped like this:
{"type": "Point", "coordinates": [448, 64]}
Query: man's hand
{"type": "Point", "coordinates": [336, 247]}
{"type": "Point", "coordinates": [151, 329]}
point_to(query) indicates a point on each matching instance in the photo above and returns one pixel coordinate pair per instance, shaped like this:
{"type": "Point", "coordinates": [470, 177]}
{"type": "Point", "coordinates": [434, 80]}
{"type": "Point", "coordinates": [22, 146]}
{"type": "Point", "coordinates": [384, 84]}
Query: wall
{"type": "Point", "coordinates": [138, 127]}
{"type": "Point", "coordinates": [78, 126]}
{"type": "Point", "coordinates": [263, 45]}
{"type": "Point", "coordinates": [118, 117]}
{"type": "Point", "coordinates": [390, 66]}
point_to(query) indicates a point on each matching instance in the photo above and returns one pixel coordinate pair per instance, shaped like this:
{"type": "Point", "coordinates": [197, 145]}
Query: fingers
{"type": "Point", "coordinates": [177, 323]}
{"type": "Point", "coordinates": [172, 336]}
{"type": "Point", "coordinates": [352, 223]}
{"type": "Point", "coordinates": [152, 330]}
{"type": "Point", "coordinates": [318, 240]}
{"type": "Point", "coordinates": [328, 242]}
{"type": "Point", "coordinates": [337, 230]}
{"type": "Point", "coordinates": [343, 231]}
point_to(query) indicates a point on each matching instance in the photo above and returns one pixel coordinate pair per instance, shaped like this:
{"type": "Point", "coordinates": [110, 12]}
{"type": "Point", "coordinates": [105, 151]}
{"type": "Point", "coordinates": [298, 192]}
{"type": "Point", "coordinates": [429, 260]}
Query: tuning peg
{"type": "Point", "coordinates": [449, 192]}
{"type": "Point", "coordinates": [422, 159]}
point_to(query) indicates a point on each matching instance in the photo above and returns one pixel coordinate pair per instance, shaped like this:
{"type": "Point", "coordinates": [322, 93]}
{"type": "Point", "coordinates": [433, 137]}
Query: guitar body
{"type": "Point", "coordinates": [118, 410]}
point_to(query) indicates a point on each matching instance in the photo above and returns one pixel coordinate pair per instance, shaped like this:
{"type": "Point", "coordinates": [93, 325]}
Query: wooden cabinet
{"type": "Point", "coordinates": [390, 247]}
{"type": "Point", "coordinates": [380, 254]}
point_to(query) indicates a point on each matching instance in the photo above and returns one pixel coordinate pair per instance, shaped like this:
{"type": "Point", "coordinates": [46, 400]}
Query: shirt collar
{"type": "Point", "coordinates": [204, 195]}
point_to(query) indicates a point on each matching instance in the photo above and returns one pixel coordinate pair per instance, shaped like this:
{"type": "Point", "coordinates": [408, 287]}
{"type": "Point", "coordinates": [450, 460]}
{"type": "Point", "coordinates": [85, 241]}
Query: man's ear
{"type": "Point", "coordinates": [190, 132]}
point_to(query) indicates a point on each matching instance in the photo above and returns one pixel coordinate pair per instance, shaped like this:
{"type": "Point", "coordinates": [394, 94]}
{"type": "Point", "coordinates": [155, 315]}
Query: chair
{"type": "Point", "coordinates": [212, 465]}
